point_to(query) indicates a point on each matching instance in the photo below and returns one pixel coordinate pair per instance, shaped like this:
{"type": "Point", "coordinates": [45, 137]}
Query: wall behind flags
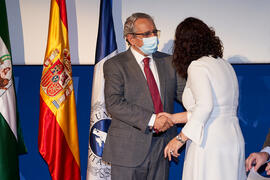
{"type": "Point", "coordinates": [242, 25]}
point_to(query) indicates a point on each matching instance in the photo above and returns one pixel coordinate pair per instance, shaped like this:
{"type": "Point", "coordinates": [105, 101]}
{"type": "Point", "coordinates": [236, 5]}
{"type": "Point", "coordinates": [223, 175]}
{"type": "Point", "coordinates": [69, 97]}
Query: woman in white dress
{"type": "Point", "coordinates": [214, 141]}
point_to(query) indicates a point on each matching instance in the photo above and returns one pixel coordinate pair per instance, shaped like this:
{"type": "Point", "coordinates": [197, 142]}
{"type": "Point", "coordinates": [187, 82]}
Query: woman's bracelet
{"type": "Point", "coordinates": [180, 139]}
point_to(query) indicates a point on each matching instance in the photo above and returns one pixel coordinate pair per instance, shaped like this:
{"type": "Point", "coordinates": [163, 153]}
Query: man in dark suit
{"type": "Point", "coordinates": [260, 158]}
{"type": "Point", "coordinates": [140, 83]}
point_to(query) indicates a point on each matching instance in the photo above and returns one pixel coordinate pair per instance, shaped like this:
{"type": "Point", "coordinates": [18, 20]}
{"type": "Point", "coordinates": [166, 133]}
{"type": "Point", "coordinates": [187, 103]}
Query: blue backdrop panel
{"type": "Point", "coordinates": [27, 80]}
{"type": "Point", "coordinates": [253, 113]}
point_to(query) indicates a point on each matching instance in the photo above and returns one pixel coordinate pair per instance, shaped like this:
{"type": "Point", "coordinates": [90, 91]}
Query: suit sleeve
{"type": "Point", "coordinates": [180, 85]}
{"type": "Point", "coordinates": [179, 81]}
{"type": "Point", "coordinates": [115, 101]}
{"type": "Point", "coordinates": [201, 90]}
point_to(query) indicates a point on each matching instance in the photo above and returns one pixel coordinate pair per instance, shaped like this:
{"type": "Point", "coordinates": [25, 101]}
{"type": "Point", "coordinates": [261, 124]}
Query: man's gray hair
{"type": "Point", "coordinates": [129, 24]}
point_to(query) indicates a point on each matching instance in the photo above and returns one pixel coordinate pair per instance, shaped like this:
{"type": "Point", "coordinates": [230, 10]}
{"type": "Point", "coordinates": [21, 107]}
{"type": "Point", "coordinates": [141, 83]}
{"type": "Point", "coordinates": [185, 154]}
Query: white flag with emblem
{"type": "Point", "coordinates": [106, 47]}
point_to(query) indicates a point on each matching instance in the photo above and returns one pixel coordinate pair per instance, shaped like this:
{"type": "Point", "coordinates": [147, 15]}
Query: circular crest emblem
{"type": "Point", "coordinates": [98, 136]}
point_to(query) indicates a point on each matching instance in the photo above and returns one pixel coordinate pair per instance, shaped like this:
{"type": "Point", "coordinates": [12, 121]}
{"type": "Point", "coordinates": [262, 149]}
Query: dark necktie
{"type": "Point", "coordinates": [152, 85]}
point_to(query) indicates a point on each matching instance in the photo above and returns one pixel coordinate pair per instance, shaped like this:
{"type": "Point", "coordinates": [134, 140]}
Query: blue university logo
{"type": "Point", "coordinates": [98, 136]}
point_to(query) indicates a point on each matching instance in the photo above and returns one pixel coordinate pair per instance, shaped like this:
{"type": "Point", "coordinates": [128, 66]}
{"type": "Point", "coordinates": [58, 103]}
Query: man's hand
{"type": "Point", "coordinates": [162, 123]}
{"type": "Point", "coordinates": [257, 158]}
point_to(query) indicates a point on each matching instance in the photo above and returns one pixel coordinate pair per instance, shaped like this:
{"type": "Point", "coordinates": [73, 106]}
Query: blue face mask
{"type": "Point", "coordinates": [150, 45]}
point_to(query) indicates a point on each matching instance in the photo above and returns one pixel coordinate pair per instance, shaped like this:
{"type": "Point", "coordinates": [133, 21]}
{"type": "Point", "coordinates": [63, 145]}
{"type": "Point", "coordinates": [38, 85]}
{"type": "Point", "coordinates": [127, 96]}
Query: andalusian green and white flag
{"type": "Point", "coordinates": [11, 141]}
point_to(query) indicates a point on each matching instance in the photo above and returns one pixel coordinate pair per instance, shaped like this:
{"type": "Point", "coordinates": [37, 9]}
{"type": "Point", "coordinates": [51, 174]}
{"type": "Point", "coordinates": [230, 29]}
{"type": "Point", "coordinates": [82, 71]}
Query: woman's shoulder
{"type": "Point", "coordinates": [204, 64]}
{"type": "Point", "coordinates": [207, 61]}
{"type": "Point", "coordinates": [203, 61]}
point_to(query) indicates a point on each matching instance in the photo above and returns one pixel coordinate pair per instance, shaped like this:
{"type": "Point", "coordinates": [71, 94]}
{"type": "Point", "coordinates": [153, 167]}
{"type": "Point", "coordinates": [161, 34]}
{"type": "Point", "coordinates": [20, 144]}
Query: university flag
{"type": "Point", "coordinates": [11, 141]}
{"type": "Point", "coordinates": [58, 135]}
{"type": "Point", "coordinates": [100, 120]}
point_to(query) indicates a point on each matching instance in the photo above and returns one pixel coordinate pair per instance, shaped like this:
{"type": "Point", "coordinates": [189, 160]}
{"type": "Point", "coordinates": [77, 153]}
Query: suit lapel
{"type": "Point", "coordinates": [135, 69]}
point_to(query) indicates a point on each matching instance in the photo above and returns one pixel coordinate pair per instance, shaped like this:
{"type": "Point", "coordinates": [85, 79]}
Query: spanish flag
{"type": "Point", "coordinates": [58, 135]}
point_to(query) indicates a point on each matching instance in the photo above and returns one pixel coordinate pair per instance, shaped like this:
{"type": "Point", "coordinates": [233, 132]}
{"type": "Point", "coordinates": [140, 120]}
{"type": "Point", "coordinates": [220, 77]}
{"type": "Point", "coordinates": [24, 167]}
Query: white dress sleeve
{"type": "Point", "coordinates": [200, 86]}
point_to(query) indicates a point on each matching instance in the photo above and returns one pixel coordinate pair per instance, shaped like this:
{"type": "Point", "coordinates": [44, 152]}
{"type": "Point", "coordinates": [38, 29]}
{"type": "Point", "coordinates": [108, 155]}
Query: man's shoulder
{"type": "Point", "coordinates": [162, 57]}
{"type": "Point", "coordinates": [119, 57]}
{"type": "Point", "coordinates": [159, 54]}
{"type": "Point", "coordinates": [118, 61]}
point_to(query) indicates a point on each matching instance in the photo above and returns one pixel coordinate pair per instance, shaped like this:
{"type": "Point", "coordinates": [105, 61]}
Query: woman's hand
{"type": "Point", "coordinates": [167, 115]}
{"type": "Point", "coordinates": [175, 118]}
{"type": "Point", "coordinates": [172, 149]}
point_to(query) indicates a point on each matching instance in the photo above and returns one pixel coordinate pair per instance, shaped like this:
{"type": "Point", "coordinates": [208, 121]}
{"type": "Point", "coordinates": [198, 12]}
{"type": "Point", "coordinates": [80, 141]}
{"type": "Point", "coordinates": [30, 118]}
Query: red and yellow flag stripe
{"type": "Point", "coordinates": [58, 135]}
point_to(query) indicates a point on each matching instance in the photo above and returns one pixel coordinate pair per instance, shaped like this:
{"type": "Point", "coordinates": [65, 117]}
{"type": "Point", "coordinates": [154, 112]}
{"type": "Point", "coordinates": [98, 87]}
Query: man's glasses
{"type": "Point", "coordinates": [155, 32]}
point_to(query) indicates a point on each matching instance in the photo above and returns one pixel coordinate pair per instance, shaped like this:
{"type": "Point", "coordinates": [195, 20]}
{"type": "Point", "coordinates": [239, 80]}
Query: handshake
{"type": "Point", "coordinates": [165, 120]}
